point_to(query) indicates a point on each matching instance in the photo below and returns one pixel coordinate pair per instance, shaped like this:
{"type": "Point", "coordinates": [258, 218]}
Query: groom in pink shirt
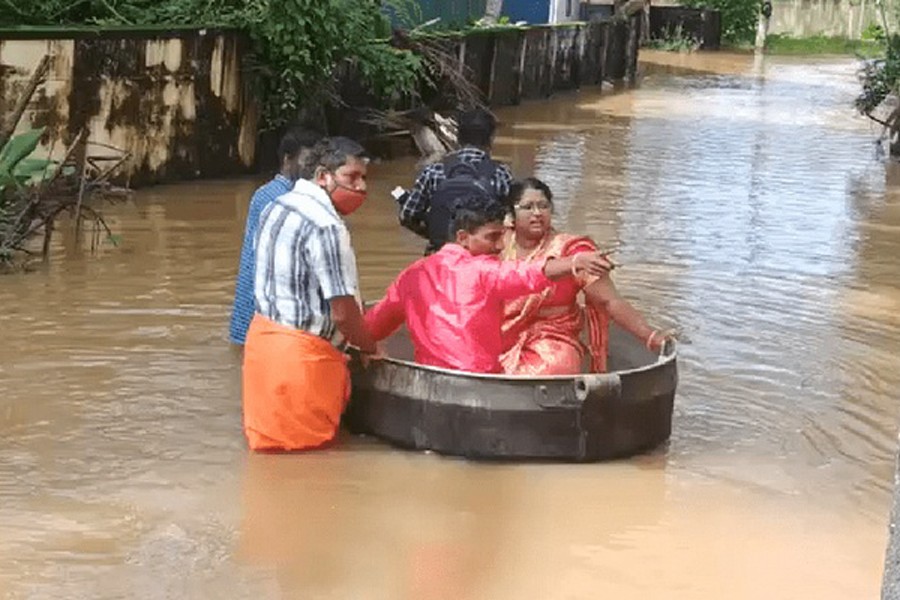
{"type": "Point", "coordinates": [452, 301]}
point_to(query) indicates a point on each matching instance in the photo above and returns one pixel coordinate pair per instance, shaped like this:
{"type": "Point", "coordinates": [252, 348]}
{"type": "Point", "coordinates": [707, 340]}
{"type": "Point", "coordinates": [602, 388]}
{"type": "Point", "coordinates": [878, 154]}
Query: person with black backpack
{"type": "Point", "coordinates": [426, 209]}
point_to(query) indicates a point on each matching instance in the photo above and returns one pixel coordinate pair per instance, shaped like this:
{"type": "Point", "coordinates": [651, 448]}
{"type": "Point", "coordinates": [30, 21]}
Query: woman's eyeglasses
{"type": "Point", "coordinates": [534, 207]}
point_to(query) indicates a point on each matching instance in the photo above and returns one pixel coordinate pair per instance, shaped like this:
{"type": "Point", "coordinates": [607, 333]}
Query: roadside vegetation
{"type": "Point", "coordinates": [674, 40]}
{"type": "Point", "coordinates": [299, 46]}
{"type": "Point", "coordinates": [870, 46]}
{"type": "Point", "coordinates": [738, 18]}
{"type": "Point", "coordinates": [302, 51]}
{"type": "Point", "coordinates": [879, 99]}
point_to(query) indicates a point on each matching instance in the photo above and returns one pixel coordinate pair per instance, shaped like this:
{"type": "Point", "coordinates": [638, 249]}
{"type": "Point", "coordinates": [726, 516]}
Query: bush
{"type": "Point", "coordinates": [674, 40]}
{"type": "Point", "coordinates": [880, 77]}
{"type": "Point", "coordinates": [739, 18]}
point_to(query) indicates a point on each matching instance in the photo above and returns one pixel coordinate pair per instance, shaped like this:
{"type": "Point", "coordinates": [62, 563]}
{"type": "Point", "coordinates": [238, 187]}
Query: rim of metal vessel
{"type": "Point", "coordinates": [662, 361]}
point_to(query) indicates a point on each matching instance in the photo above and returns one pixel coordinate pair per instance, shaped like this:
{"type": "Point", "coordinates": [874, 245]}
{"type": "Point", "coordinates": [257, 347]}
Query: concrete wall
{"type": "Point", "coordinates": [514, 65]}
{"type": "Point", "coordinates": [180, 104]}
{"type": "Point", "coordinates": [176, 101]}
{"type": "Point", "coordinates": [844, 18]}
{"type": "Point", "coordinates": [802, 18]}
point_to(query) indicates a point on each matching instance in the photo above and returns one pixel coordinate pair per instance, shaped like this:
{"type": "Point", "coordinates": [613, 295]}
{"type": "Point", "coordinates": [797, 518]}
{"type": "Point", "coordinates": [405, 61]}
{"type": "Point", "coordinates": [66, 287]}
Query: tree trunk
{"type": "Point", "coordinates": [762, 32]}
{"type": "Point", "coordinates": [492, 10]}
{"type": "Point", "coordinates": [762, 25]}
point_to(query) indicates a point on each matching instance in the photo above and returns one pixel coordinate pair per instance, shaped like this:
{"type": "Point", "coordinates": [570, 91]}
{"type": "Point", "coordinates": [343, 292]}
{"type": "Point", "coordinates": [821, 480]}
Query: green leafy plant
{"type": "Point", "coordinates": [880, 80]}
{"type": "Point", "coordinates": [880, 77]}
{"type": "Point", "coordinates": [300, 44]}
{"type": "Point", "coordinates": [405, 13]}
{"type": "Point", "coordinates": [17, 172]}
{"type": "Point", "coordinates": [873, 32]}
{"type": "Point", "coordinates": [35, 191]}
{"type": "Point", "coordinates": [16, 168]}
{"type": "Point", "coordinates": [674, 40]}
{"type": "Point", "coordinates": [738, 17]}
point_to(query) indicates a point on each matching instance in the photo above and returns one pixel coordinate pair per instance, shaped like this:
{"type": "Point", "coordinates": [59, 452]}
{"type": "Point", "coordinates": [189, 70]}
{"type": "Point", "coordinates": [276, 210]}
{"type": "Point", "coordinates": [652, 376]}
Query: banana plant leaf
{"type": "Point", "coordinates": [15, 166]}
{"type": "Point", "coordinates": [18, 148]}
{"type": "Point", "coordinates": [30, 169]}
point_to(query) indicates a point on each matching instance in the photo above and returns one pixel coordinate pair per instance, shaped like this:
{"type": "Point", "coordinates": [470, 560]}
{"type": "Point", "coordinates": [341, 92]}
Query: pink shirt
{"type": "Point", "coordinates": [452, 303]}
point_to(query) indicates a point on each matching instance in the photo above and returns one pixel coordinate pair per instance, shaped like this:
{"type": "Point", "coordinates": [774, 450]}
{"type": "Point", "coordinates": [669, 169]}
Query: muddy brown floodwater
{"type": "Point", "coordinates": [753, 212]}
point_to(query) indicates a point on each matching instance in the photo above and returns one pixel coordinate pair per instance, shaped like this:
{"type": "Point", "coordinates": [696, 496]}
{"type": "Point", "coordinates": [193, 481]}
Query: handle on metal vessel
{"type": "Point", "coordinates": [666, 350]}
{"type": "Point", "coordinates": [596, 382]}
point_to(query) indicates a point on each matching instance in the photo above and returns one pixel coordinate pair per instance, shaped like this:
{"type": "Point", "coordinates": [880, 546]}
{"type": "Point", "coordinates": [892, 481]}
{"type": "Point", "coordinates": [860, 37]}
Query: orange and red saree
{"type": "Point", "coordinates": [542, 332]}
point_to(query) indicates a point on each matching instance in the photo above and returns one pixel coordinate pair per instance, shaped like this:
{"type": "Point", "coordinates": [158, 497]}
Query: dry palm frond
{"type": "Point", "coordinates": [443, 64]}
{"type": "Point", "coordinates": [433, 133]}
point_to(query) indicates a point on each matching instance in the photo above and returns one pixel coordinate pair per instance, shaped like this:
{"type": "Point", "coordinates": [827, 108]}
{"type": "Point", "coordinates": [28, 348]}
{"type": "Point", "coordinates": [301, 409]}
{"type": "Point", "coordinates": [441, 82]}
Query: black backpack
{"type": "Point", "coordinates": [461, 179]}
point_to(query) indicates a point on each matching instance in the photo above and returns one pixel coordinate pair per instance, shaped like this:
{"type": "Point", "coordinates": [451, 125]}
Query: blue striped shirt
{"type": "Point", "coordinates": [244, 304]}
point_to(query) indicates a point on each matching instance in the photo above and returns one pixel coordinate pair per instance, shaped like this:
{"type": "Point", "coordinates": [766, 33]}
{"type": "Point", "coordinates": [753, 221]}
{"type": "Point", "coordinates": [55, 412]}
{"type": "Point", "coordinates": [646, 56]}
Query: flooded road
{"type": "Point", "coordinates": [753, 212]}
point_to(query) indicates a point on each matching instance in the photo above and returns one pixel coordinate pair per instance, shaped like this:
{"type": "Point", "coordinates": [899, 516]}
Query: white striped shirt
{"type": "Point", "coordinates": [303, 259]}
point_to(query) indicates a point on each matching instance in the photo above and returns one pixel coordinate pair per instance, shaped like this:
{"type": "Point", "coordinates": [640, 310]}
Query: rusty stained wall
{"type": "Point", "coordinates": [178, 103]}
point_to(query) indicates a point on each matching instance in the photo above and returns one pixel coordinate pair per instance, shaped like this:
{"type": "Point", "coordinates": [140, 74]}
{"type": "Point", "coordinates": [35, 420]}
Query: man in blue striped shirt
{"type": "Point", "coordinates": [292, 151]}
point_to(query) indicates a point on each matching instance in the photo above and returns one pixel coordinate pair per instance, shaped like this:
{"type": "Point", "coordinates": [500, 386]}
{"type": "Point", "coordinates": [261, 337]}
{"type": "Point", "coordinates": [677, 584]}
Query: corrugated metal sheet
{"type": "Point", "coordinates": [530, 11]}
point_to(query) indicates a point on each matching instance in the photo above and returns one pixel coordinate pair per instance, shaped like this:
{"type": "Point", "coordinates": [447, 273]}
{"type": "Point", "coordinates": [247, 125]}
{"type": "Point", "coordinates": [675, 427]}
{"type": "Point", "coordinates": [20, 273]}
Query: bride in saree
{"type": "Point", "coordinates": [542, 332]}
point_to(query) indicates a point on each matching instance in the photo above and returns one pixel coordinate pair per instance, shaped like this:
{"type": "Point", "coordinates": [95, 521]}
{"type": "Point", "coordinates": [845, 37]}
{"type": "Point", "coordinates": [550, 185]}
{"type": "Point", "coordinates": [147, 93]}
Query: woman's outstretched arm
{"type": "Point", "coordinates": [603, 294]}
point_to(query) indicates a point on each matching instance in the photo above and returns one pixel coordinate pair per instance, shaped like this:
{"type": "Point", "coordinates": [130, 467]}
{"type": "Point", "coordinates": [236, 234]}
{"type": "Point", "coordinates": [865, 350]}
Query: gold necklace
{"type": "Point", "coordinates": [541, 246]}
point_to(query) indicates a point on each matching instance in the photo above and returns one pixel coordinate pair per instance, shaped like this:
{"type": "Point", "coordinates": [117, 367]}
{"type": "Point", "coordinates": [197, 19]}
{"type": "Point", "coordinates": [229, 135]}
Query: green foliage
{"type": "Point", "coordinates": [16, 168]}
{"type": "Point", "coordinates": [820, 44]}
{"type": "Point", "coordinates": [873, 32]}
{"type": "Point", "coordinates": [738, 17]}
{"type": "Point", "coordinates": [35, 191]}
{"type": "Point", "coordinates": [674, 40]}
{"type": "Point", "coordinates": [880, 77]}
{"type": "Point", "coordinates": [127, 12]}
{"type": "Point", "coordinates": [300, 43]}
{"type": "Point", "coordinates": [405, 13]}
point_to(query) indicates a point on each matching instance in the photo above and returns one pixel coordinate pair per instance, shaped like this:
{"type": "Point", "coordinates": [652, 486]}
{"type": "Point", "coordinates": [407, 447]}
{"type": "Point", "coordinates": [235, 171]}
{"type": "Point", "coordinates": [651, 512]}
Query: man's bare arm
{"type": "Point", "coordinates": [349, 321]}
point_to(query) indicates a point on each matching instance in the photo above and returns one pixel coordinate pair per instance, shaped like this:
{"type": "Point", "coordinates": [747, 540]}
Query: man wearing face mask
{"type": "Point", "coordinates": [293, 152]}
{"type": "Point", "coordinates": [295, 377]}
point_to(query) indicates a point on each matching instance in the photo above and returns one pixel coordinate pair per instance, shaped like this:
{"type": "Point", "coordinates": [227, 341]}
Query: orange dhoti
{"type": "Point", "coordinates": [295, 387]}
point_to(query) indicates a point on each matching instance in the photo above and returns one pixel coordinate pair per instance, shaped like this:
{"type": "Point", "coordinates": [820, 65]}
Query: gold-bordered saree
{"type": "Point", "coordinates": [542, 332]}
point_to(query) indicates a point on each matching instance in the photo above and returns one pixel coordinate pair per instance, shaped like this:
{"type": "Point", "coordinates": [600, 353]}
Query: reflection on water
{"type": "Point", "coordinates": [752, 212]}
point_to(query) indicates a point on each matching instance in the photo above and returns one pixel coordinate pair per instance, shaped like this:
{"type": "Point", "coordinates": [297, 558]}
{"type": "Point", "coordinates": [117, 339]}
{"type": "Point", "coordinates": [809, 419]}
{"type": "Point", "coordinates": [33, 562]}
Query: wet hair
{"type": "Point", "coordinates": [331, 154]}
{"type": "Point", "coordinates": [473, 211]}
{"type": "Point", "coordinates": [518, 189]}
{"type": "Point", "coordinates": [295, 141]}
{"type": "Point", "coordinates": [476, 128]}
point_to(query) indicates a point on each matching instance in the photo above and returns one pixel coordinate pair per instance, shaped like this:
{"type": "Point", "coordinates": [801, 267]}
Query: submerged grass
{"type": "Point", "coordinates": [674, 40]}
{"type": "Point", "coordinates": [821, 44]}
